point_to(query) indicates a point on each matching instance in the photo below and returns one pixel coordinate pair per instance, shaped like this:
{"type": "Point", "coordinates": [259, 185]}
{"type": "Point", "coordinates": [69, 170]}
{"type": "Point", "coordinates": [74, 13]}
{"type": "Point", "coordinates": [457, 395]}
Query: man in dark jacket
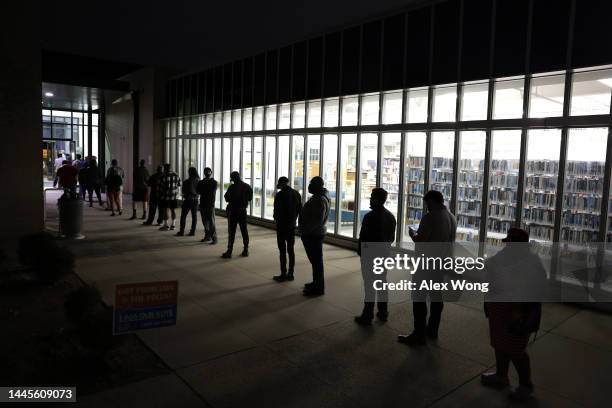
{"type": "Point", "coordinates": [207, 189]}
{"type": "Point", "coordinates": [287, 207]}
{"type": "Point", "coordinates": [237, 196]}
{"type": "Point", "coordinates": [190, 202]}
{"type": "Point", "coordinates": [375, 238]}
{"type": "Point", "coordinates": [168, 190]}
{"type": "Point", "coordinates": [153, 182]}
{"type": "Point", "coordinates": [141, 191]}
{"type": "Point", "coordinates": [312, 227]}
{"type": "Point", "coordinates": [91, 178]}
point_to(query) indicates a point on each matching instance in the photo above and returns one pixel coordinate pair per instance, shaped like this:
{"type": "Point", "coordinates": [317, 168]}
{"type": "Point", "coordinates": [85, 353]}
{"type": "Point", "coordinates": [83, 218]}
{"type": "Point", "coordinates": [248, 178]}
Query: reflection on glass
{"type": "Point", "coordinates": [299, 115]}
{"type": "Point", "coordinates": [258, 118]}
{"type": "Point", "coordinates": [270, 174]}
{"type": "Point", "coordinates": [218, 123]}
{"type": "Point", "coordinates": [508, 98]}
{"type": "Point", "coordinates": [247, 161]}
{"type": "Point", "coordinates": [237, 121]}
{"type": "Point", "coordinates": [583, 187]}
{"type": "Point", "coordinates": [392, 148]}
{"type": "Point", "coordinates": [503, 183]}
{"type": "Point", "coordinates": [475, 101]}
{"type": "Point", "coordinates": [270, 117]}
{"type": "Point", "coordinates": [444, 103]}
{"type": "Point", "coordinates": [469, 185]}
{"type": "Point", "coordinates": [328, 172]}
{"type": "Point", "coordinates": [442, 150]}
{"type": "Point", "coordinates": [314, 114]}
{"type": "Point", "coordinates": [283, 156]}
{"type": "Point", "coordinates": [247, 120]}
{"type": "Point", "coordinates": [591, 93]}
{"type": "Point", "coordinates": [414, 175]}
{"type": "Point", "coordinates": [284, 118]}
{"type": "Point", "coordinates": [257, 175]}
{"type": "Point", "coordinates": [541, 183]}
{"type": "Point", "coordinates": [348, 170]}
{"type": "Point", "coordinates": [297, 165]}
{"type": "Point", "coordinates": [219, 203]}
{"type": "Point", "coordinates": [209, 123]}
{"type": "Point", "coordinates": [392, 107]}
{"type": "Point", "coordinates": [546, 96]}
{"type": "Point", "coordinates": [417, 105]}
{"type": "Point", "coordinates": [331, 109]}
{"type": "Point", "coordinates": [350, 106]}
{"type": "Point", "coordinates": [227, 121]}
{"type": "Point", "coordinates": [370, 106]}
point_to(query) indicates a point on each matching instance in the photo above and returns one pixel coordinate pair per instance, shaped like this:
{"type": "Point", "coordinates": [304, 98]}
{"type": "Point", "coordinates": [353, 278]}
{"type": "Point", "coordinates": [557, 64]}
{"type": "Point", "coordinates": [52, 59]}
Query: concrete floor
{"type": "Point", "coordinates": [244, 340]}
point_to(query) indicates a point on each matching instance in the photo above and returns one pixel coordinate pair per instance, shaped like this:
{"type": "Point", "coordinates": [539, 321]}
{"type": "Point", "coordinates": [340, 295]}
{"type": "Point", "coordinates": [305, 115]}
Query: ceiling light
{"type": "Point", "coordinates": [606, 81]}
{"type": "Point", "coordinates": [49, 94]}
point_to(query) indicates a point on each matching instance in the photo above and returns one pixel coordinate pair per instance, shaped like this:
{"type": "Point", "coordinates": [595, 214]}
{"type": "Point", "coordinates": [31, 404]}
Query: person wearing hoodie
{"type": "Point", "coordinates": [91, 178]}
{"type": "Point", "coordinates": [287, 207]}
{"type": "Point", "coordinates": [190, 202]}
{"type": "Point", "coordinates": [312, 228]}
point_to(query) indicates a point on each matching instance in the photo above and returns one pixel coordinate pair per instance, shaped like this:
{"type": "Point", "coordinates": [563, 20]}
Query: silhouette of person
{"type": "Point", "coordinates": [168, 189]}
{"type": "Point", "coordinates": [378, 227]}
{"type": "Point", "coordinates": [435, 237]}
{"type": "Point", "coordinates": [154, 204]}
{"type": "Point", "coordinates": [190, 202]}
{"type": "Point", "coordinates": [287, 207]}
{"type": "Point", "coordinates": [512, 322]}
{"type": "Point", "coordinates": [91, 178]}
{"type": "Point", "coordinates": [312, 227]}
{"type": "Point", "coordinates": [207, 189]}
{"type": "Point", "coordinates": [237, 196]}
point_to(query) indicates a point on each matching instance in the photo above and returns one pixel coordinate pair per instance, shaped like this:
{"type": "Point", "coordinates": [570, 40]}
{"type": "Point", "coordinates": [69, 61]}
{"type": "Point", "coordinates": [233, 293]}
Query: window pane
{"type": "Point", "coordinates": [217, 170]}
{"type": "Point", "coordinates": [257, 176]}
{"type": "Point", "coordinates": [469, 185]}
{"type": "Point", "coordinates": [369, 163]}
{"type": "Point", "coordinates": [297, 166]}
{"type": "Point", "coordinates": [503, 183]}
{"type": "Point", "coordinates": [227, 145]}
{"type": "Point", "coordinates": [270, 174]}
{"type": "Point", "coordinates": [258, 118]}
{"type": "Point", "coordinates": [227, 121]}
{"type": "Point", "coordinates": [444, 103]}
{"type": "Point", "coordinates": [328, 172]}
{"type": "Point", "coordinates": [193, 154]}
{"type": "Point", "coordinates": [208, 162]}
{"type": "Point", "coordinates": [201, 157]}
{"type": "Point", "coordinates": [348, 170]}
{"type": "Point", "coordinates": [77, 118]}
{"type": "Point", "coordinates": [443, 146]}
{"type": "Point", "coordinates": [417, 106]}
{"type": "Point", "coordinates": [94, 119]}
{"type": "Point", "coordinates": [236, 150]}
{"type": "Point", "coordinates": [591, 93]}
{"type": "Point", "coordinates": [247, 120]}
{"type": "Point", "coordinates": [285, 116]}
{"type": "Point", "coordinates": [94, 141]}
{"type": "Point", "coordinates": [546, 97]}
{"type": "Point", "coordinates": [541, 183]}
{"type": "Point", "coordinates": [61, 131]}
{"type": "Point", "coordinates": [314, 114]}
{"type": "Point", "coordinates": [414, 174]}
{"type": "Point", "coordinates": [218, 123]}
{"type": "Point", "coordinates": [392, 107]}
{"type": "Point", "coordinates": [508, 99]}
{"type": "Point", "coordinates": [299, 115]}
{"type": "Point", "coordinates": [283, 156]}
{"type": "Point", "coordinates": [370, 106]}
{"type": "Point", "coordinates": [475, 101]}
{"type": "Point", "coordinates": [391, 169]}
{"type": "Point", "coordinates": [270, 117]}
{"type": "Point", "coordinates": [46, 131]}
{"type": "Point", "coordinates": [314, 153]}
{"type": "Point", "coordinates": [236, 121]}
{"type": "Point", "coordinates": [583, 187]}
{"type": "Point", "coordinates": [331, 112]}
{"type": "Point", "coordinates": [350, 106]}
{"type": "Point", "coordinates": [209, 123]}
{"type": "Point", "coordinates": [247, 160]}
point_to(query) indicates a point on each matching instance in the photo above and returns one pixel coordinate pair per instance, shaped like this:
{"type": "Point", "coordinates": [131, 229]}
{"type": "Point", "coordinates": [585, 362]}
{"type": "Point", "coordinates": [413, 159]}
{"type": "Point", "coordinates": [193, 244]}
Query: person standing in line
{"type": "Point", "coordinates": [169, 186]}
{"type": "Point", "coordinates": [438, 229]}
{"type": "Point", "coordinates": [153, 183]}
{"type": "Point", "coordinates": [91, 177]}
{"type": "Point", "coordinates": [207, 189]}
{"type": "Point", "coordinates": [78, 164]}
{"type": "Point", "coordinates": [312, 228]}
{"type": "Point", "coordinates": [67, 177]}
{"type": "Point", "coordinates": [378, 227]}
{"type": "Point", "coordinates": [237, 196]}
{"type": "Point", "coordinates": [141, 191]}
{"type": "Point", "coordinates": [57, 163]}
{"type": "Point", "coordinates": [190, 202]}
{"type": "Point", "coordinates": [114, 184]}
{"type": "Point", "coordinates": [287, 208]}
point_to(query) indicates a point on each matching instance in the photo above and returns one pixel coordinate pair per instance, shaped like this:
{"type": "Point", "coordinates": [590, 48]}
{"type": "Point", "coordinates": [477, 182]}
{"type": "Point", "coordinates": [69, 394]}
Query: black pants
{"type": "Point", "coordinates": [285, 238]}
{"type": "Point", "coordinates": [419, 310]}
{"type": "Point", "coordinates": [90, 191]}
{"type": "Point", "coordinates": [82, 190]}
{"type": "Point", "coordinates": [208, 219]}
{"type": "Point", "coordinates": [371, 295]}
{"type": "Point", "coordinates": [521, 363]}
{"type": "Point", "coordinates": [235, 218]}
{"type": "Point", "coordinates": [313, 244]}
{"type": "Point", "coordinates": [189, 205]}
{"type": "Point", "coordinates": [153, 207]}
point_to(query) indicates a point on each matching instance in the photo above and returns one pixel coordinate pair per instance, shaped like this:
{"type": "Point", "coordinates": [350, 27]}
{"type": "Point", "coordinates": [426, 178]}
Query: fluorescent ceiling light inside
{"type": "Point", "coordinates": [606, 81]}
{"type": "Point", "coordinates": [49, 94]}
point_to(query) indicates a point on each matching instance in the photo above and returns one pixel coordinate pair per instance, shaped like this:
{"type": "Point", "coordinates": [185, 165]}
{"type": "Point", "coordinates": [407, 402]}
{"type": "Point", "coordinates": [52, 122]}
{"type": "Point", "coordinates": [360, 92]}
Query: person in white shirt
{"type": "Point", "coordinates": [435, 237]}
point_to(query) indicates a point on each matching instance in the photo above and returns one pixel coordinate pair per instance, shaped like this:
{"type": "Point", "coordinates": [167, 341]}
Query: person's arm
{"type": "Point", "coordinates": [276, 206]}
{"type": "Point", "coordinates": [392, 230]}
{"type": "Point", "coordinates": [227, 196]}
{"type": "Point", "coordinates": [424, 231]}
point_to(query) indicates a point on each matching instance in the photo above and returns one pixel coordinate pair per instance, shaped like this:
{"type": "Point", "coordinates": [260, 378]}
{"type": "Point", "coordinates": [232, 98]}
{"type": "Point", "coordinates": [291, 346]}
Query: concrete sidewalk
{"type": "Point", "coordinates": [245, 340]}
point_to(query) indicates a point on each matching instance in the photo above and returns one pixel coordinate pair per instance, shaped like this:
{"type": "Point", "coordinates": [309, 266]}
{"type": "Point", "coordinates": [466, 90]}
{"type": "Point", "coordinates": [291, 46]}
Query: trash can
{"type": "Point", "coordinates": [70, 215]}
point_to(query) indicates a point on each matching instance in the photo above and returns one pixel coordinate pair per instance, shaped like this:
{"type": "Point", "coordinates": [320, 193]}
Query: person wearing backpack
{"type": "Point", "coordinates": [114, 183]}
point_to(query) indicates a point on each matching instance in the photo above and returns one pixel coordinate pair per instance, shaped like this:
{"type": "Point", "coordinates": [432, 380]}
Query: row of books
{"type": "Point", "coordinates": [583, 185]}
{"type": "Point", "coordinates": [536, 182]}
{"type": "Point", "coordinates": [468, 221]}
{"type": "Point", "coordinates": [501, 226]}
{"type": "Point", "coordinates": [581, 220]}
{"type": "Point", "coordinates": [582, 202]}
{"type": "Point", "coordinates": [469, 193]}
{"type": "Point", "coordinates": [578, 236]}
{"type": "Point", "coordinates": [531, 198]}
{"type": "Point", "coordinates": [502, 211]}
{"type": "Point", "coordinates": [539, 215]}
{"type": "Point", "coordinates": [498, 195]}
{"type": "Point", "coordinates": [589, 168]}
